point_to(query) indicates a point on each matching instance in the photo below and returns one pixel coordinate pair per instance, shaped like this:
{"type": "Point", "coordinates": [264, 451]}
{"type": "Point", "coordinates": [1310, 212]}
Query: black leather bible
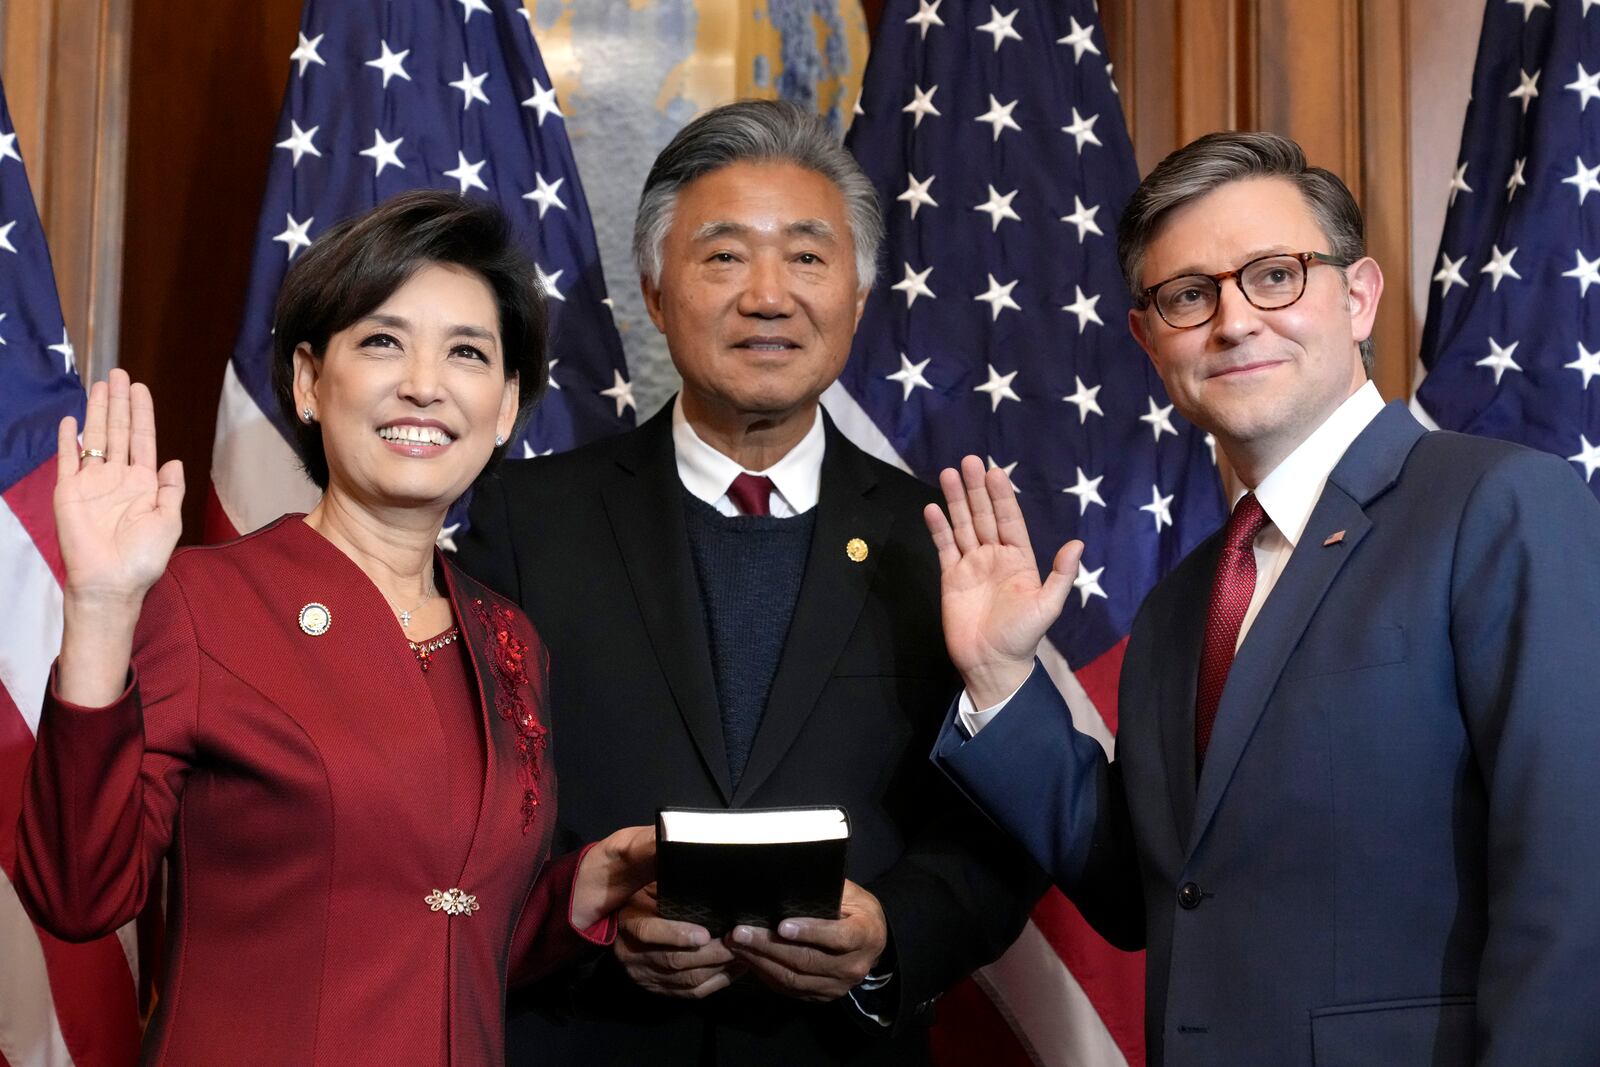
{"type": "Point", "coordinates": [751, 866]}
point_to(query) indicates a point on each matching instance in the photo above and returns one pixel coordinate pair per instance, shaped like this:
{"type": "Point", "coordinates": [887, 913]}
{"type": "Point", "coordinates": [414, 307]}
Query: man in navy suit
{"type": "Point", "coordinates": [1351, 810]}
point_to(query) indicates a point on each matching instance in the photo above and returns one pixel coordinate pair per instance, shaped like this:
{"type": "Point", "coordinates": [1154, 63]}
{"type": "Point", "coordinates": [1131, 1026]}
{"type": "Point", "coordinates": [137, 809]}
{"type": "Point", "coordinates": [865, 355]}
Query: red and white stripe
{"type": "Point", "coordinates": [255, 475]}
{"type": "Point", "coordinates": [60, 1004]}
{"type": "Point", "coordinates": [1061, 996]}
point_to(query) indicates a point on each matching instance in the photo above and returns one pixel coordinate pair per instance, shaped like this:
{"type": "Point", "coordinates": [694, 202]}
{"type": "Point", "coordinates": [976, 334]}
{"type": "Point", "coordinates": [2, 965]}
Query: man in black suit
{"type": "Point", "coordinates": [742, 610]}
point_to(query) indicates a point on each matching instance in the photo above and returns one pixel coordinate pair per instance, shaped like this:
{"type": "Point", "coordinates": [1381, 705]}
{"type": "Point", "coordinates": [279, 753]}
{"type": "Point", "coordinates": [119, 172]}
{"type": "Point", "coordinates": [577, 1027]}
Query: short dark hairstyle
{"type": "Point", "coordinates": [358, 264]}
{"type": "Point", "coordinates": [756, 131]}
{"type": "Point", "coordinates": [1211, 161]}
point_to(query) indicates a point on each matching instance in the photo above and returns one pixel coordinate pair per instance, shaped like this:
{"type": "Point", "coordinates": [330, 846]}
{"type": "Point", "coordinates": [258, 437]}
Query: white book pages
{"type": "Point", "coordinates": [754, 826]}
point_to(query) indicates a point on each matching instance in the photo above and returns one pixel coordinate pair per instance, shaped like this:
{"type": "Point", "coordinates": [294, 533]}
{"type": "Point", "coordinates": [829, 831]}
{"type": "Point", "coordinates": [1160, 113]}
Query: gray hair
{"type": "Point", "coordinates": [1216, 159]}
{"type": "Point", "coordinates": [756, 131]}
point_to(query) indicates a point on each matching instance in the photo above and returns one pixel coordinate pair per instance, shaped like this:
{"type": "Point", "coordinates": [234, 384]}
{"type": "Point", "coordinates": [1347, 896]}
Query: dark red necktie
{"type": "Point", "coordinates": [751, 494]}
{"type": "Point", "coordinates": [1231, 590]}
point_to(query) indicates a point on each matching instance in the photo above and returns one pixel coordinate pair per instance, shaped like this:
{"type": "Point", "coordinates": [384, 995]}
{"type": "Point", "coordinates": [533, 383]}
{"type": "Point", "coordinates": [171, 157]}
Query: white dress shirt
{"type": "Point", "coordinates": [1287, 494]}
{"type": "Point", "coordinates": [707, 473]}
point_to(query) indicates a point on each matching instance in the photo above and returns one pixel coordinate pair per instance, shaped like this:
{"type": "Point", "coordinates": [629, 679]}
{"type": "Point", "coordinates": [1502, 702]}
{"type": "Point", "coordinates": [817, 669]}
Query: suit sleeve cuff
{"type": "Point", "coordinates": [54, 695]}
{"type": "Point", "coordinates": [974, 719]}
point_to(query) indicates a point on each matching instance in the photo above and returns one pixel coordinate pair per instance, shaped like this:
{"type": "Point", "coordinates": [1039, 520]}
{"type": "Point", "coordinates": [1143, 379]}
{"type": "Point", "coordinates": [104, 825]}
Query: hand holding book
{"type": "Point", "coordinates": [611, 872]}
{"type": "Point", "coordinates": [735, 873]}
{"type": "Point", "coordinates": [673, 958]}
{"type": "Point", "coordinates": [721, 868]}
{"type": "Point", "coordinates": [816, 959]}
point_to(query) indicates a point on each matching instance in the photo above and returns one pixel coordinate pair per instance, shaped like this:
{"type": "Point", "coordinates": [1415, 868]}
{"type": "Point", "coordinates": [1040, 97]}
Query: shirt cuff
{"type": "Point", "coordinates": [873, 996]}
{"type": "Point", "coordinates": [604, 931]}
{"type": "Point", "coordinates": [865, 997]}
{"type": "Point", "coordinates": [876, 981]}
{"type": "Point", "coordinates": [974, 719]}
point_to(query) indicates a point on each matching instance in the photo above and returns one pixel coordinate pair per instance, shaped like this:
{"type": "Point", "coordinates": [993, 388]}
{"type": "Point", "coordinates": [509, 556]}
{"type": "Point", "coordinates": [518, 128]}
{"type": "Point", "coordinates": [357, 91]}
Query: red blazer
{"type": "Point", "coordinates": [291, 781]}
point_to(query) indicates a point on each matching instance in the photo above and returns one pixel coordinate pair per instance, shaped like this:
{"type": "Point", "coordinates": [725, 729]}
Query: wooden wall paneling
{"type": "Point", "coordinates": [1309, 79]}
{"type": "Point", "coordinates": [1440, 53]}
{"type": "Point", "coordinates": [1180, 69]}
{"type": "Point", "coordinates": [1385, 190]}
{"type": "Point", "coordinates": [207, 81]}
{"type": "Point", "coordinates": [25, 51]}
{"type": "Point", "coordinates": [1212, 76]}
{"type": "Point", "coordinates": [1246, 67]}
{"type": "Point", "coordinates": [1150, 86]}
{"type": "Point", "coordinates": [1332, 76]}
{"type": "Point", "coordinates": [87, 172]}
{"type": "Point", "coordinates": [67, 84]}
{"type": "Point", "coordinates": [1117, 23]}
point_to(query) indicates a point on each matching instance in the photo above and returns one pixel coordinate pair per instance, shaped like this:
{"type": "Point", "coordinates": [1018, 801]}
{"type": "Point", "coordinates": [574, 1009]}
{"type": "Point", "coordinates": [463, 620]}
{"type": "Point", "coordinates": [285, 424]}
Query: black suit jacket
{"type": "Point", "coordinates": [593, 544]}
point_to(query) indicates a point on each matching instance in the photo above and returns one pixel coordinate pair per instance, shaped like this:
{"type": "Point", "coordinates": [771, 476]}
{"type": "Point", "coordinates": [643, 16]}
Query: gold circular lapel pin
{"type": "Point", "coordinates": [315, 619]}
{"type": "Point", "coordinates": [856, 549]}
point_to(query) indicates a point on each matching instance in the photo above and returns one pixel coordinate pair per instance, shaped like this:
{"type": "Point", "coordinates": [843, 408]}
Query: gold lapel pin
{"type": "Point", "coordinates": [856, 549]}
{"type": "Point", "coordinates": [1334, 538]}
{"type": "Point", "coordinates": [315, 619]}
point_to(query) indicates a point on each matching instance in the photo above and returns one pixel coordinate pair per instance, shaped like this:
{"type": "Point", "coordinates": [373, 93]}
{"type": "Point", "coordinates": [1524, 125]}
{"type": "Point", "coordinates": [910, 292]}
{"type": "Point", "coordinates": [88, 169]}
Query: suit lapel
{"type": "Point", "coordinates": [831, 595]}
{"type": "Point", "coordinates": [1369, 467]}
{"type": "Point", "coordinates": [645, 508]}
{"type": "Point", "coordinates": [1272, 637]}
{"type": "Point", "coordinates": [1178, 678]}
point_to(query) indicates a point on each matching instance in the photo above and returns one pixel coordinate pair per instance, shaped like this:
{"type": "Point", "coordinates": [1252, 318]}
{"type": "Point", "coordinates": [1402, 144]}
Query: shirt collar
{"type": "Point", "coordinates": [707, 473]}
{"type": "Point", "coordinates": [1291, 490]}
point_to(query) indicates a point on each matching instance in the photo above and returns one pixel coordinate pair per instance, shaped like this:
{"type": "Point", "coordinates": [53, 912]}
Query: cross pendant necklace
{"type": "Point", "coordinates": [405, 616]}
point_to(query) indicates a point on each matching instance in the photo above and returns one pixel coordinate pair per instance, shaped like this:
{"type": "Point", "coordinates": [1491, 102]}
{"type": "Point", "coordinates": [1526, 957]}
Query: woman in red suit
{"type": "Point", "coordinates": [334, 737]}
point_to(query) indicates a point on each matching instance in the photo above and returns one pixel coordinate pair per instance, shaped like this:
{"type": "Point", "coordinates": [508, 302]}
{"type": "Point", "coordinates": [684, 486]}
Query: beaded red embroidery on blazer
{"type": "Point", "coordinates": [508, 664]}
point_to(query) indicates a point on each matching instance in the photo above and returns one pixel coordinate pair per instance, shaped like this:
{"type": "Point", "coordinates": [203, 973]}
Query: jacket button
{"type": "Point", "coordinates": [1189, 896]}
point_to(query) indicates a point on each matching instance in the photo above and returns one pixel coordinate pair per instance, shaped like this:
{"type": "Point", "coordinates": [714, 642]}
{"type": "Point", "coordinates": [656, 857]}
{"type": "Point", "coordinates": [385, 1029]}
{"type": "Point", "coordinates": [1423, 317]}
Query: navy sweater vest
{"type": "Point", "coordinates": [750, 568]}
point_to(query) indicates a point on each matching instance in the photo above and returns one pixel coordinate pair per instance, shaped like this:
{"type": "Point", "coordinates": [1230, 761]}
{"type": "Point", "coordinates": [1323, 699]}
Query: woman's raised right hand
{"type": "Point", "coordinates": [117, 516]}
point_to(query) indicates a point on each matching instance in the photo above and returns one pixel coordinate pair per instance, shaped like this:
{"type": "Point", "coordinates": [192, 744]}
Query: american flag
{"type": "Point", "coordinates": [1506, 344]}
{"type": "Point", "coordinates": [59, 1003]}
{"type": "Point", "coordinates": [390, 95]}
{"type": "Point", "coordinates": [995, 136]}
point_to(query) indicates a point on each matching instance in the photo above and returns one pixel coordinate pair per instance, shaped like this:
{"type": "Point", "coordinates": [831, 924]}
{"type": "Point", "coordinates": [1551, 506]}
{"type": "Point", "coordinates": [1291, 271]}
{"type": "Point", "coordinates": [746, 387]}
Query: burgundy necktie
{"type": "Point", "coordinates": [751, 494]}
{"type": "Point", "coordinates": [1231, 590]}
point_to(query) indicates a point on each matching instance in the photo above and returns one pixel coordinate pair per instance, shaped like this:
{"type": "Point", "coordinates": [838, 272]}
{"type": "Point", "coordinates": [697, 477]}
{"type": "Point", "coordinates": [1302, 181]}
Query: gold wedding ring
{"type": "Point", "coordinates": [91, 453]}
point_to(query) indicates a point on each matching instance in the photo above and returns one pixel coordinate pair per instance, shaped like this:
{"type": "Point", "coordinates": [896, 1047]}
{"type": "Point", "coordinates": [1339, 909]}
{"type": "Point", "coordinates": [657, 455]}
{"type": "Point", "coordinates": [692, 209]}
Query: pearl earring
{"type": "Point", "coordinates": [499, 439]}
{"type": "Point", "coordinates": [305, 413]}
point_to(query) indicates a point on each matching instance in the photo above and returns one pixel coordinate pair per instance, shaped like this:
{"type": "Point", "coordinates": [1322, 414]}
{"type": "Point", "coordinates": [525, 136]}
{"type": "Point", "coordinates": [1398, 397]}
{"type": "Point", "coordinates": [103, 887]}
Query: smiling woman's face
{"type": "Point", "coordinates": [411, 396]}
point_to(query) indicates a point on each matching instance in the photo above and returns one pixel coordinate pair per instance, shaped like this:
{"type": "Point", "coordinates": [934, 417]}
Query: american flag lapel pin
{"type": "Point", "coordinates": [1334, 538]}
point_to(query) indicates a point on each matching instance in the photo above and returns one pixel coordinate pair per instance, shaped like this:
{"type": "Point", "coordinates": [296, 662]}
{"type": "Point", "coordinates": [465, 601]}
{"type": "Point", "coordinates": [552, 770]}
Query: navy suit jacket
{"type": "Point", "coordinates": [1389, 854]}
